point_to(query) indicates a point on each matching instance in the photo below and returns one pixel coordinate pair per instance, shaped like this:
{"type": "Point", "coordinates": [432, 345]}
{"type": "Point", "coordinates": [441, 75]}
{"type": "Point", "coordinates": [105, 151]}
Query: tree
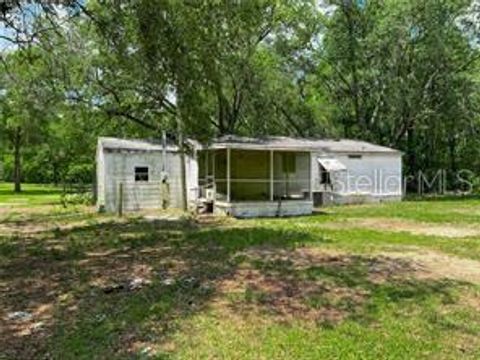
{"type": "Point", "coordinates": [401, 74]}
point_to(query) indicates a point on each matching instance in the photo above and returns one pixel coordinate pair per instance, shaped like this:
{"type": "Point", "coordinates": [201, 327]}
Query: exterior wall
{"type": "Point", "coordinates": [100, 160]}
{"type": "Point", "coordinates": [264, 208]}
{"type": "Point", "coordinates": [191, 172]}
{"type": "Point", "coordinates": [373, 177]}
{"type": "Point", "coordinates": [119, 167]}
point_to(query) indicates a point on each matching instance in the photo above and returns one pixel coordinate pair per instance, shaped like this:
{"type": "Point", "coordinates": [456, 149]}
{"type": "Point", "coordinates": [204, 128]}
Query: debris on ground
{"type": "Point", "coordinates": [19, 315]}
{"type": "Point", "coordinates": [190, 281]}
{"type": "Point", "coordinates": [37, 326]}
{"type": "Point", "coordinates": [100, 318]}
{"type": "Point", "coordinates": [168, 281]}
{"type": "Point", "coordinates": [138, 283]}
{"type": "Point", "coordinates": [130, 285]}
{"type": "Point", "coordinates": [111, 288]}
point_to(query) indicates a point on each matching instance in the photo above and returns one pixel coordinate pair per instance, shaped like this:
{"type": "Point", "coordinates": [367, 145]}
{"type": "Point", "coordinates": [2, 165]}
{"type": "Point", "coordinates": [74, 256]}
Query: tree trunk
{"type": "Point", "coordinates": [412, 158]}
{"type": "Point", "coordinates": [452, 145]}
{"type": "Point", "coordinates": [17, 171]}
{"type": "Point", "coordinates": [55, 172]}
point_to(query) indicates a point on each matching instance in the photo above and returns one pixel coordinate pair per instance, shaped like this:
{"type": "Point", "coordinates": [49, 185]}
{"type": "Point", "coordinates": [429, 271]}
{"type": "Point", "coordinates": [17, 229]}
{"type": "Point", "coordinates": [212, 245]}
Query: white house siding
{"type": "Point", "coordinates": [100, 175]}
{"type": "Point", "coordinates": [119, 167]}
{"type": "Point", "coordinates": [373, 177]}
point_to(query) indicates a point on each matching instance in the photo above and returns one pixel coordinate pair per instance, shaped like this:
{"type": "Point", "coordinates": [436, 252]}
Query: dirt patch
{"type": "Point", "coordinates": [27, 227]}
{"type": "Point", "coordinates": [327, 287]}
{"type": "Point", "coordinates": [472, 300]}
{"type": "Point", "coordinates": [416, 228]}
{"type": "Point", "coordinates": [308, 284]}
{"type": "Point", "coordinates": [438, 265]}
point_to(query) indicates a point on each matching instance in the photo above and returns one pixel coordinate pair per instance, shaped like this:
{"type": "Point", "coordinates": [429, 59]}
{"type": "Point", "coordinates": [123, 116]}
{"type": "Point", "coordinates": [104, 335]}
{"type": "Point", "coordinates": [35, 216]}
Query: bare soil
{"type": "Point", "coordinates": [438, 265]}
{"type": "Point", "coordinates": [413, 227]}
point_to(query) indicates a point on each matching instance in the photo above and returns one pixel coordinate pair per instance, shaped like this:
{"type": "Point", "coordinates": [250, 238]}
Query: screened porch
{"type": "Point", "coordinates": [239, 175]}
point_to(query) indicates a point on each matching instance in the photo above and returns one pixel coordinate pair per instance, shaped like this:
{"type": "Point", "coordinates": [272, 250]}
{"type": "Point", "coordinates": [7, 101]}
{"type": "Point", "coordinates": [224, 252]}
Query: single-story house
{"type": "Point", "coordinates": [245, 177]}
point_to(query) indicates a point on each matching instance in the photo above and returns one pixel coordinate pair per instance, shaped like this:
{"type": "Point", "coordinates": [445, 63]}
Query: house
{"type": "Point", "coordinates": [246, 177]}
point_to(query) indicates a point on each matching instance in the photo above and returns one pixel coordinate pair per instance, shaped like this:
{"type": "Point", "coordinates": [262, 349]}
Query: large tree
{"type": "Point", "coordinates": [402, 74]}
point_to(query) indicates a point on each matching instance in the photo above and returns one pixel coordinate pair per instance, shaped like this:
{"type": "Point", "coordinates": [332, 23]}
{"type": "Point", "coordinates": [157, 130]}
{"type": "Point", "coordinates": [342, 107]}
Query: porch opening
{"type": "Point", "coordinates": [255, 175]}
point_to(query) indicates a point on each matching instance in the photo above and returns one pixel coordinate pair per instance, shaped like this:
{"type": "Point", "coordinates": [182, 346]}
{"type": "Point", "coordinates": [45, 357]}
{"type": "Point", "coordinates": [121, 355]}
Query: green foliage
{"type": "Point", "coordinates": [77, 199]}
{"type": "Point", "coordinates": [398, 73]}
{"type": "Point", "coordinates": [403, 73]}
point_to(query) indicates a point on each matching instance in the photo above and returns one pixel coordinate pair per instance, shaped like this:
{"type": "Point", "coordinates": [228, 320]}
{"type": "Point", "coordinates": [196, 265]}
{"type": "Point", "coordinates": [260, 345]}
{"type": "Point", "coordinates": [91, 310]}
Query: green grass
{"type": "Point", "coordinates": [441, 211]}
{"type": "Point", "coordinates": [306, 288]}
{"type": "Point", "coordinates": [31, 194]}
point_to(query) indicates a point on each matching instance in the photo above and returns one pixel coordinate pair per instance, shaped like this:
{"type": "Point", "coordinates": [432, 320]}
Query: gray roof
{"type": "Point", "coordinates": [135, 145]}
{"type": "Point", "coordinates": [309, 144]}
{"type": "Point", "coordinates": [266, 143]}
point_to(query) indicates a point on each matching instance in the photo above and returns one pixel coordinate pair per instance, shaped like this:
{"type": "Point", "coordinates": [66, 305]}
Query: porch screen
{"type": "Point", "coordinates": [249, 175]}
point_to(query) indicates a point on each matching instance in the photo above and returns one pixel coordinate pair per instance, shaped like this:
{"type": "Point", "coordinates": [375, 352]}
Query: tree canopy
{"type": "Point", "coordinates": [398, 73]}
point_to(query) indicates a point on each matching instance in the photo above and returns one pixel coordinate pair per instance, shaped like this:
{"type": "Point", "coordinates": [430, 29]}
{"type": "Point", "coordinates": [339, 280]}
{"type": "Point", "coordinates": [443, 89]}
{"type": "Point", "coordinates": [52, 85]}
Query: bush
{"type": "Point", "coordinates": [80, 174]}
{"type": "Point", "coordinates": [77, 199]}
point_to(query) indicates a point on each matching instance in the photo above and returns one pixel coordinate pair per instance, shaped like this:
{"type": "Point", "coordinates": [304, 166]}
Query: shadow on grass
{"type": "Point", "coordinates": [77, 283]}
{"type": "Point", "coordinates": [327, 289]}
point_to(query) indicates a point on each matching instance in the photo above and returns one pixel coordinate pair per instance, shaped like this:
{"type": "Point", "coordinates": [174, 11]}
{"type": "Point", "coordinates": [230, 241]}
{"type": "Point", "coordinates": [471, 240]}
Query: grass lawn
{"type": "Point", "coordinates": [32, 194]}
{"type": "Point", "coordinates": [389, 281]}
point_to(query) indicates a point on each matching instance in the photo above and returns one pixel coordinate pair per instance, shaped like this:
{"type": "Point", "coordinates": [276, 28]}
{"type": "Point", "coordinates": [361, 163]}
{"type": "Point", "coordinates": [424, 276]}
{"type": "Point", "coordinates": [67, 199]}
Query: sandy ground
{"type": "Point", "coordinates": [438, 265]}
{"type": "Point", "coordinates": [413, 227]}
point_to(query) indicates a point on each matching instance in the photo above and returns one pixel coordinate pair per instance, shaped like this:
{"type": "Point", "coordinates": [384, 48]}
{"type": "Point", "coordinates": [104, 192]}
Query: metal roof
{"type": "Point", "coordinates": [266, 143]}
{"type": "Point", "coordinates": [308, 144]}
{"type": "Point", "coordinates": [134, 144]}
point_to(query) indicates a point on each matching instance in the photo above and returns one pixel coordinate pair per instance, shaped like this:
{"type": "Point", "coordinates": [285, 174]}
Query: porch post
{"type": "Point", "coordinates": [311, 176]}
{"type": "Point", "coordinates": [271, 175]}
{"type": "Point", "coordinates": [214, 176]}
{"type": "Point", "coordinates": [228, 174]}
{"type": "Point", "coordinates": [206, 167]}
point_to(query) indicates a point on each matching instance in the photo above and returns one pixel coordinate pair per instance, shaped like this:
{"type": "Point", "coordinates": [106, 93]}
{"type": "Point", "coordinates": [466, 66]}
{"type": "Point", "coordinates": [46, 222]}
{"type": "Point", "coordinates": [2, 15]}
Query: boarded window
{"type": "Point", "coordinates": [289, 162]}
{"type": "Point", "coordinates": [354, 156]}
{"type": "Point", "coordinates": [141, 173]}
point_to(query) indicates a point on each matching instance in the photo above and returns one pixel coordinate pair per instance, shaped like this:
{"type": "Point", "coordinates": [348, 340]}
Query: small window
{"type": "Point", "coordinates": [141, 173]}
{"type": "Point", "coordinates": [354, 156]}
{"type": "Point", "coordinates": [324, 176]}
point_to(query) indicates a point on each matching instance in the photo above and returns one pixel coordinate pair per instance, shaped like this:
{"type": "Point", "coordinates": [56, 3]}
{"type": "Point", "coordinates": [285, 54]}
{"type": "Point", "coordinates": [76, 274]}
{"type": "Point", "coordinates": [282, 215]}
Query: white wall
{"type": "Point", "coordinates": [249, 209]}
{"type": "Point", "coordinates": [378, 174]}
{"type": "Point", "coordinates": [119, 167]}
{"type": "Point", "coordinates": [100, 159]}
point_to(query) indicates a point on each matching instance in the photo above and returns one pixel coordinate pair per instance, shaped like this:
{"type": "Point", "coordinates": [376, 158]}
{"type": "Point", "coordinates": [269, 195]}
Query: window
{"type": "Point", "coordinates": [141, 173]}
{"type": "Point", "coordinates": [324, 176]}
{"type": "Point", "coordinates": [354, 156]}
